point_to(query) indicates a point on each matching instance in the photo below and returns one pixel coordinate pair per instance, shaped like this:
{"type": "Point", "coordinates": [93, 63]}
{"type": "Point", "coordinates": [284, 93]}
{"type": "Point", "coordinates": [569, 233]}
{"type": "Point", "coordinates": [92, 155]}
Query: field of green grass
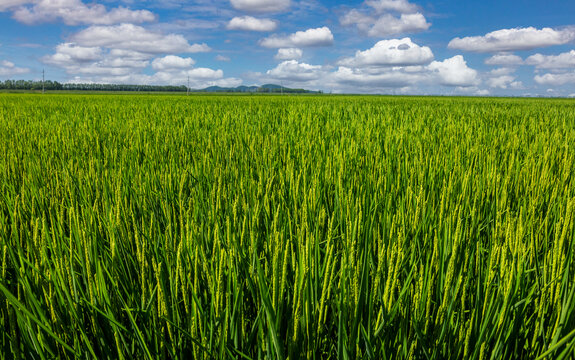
{"type": "Point", "coordinates": [201, 227]}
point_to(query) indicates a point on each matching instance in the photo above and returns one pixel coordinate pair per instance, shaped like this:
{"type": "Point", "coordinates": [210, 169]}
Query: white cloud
{"type": "Point", "coordinates": [555, 79]}
{"type": "Point", "coordinates": [129, 54]}
{"type": "Point", "coordinates": [198, 77]}
{"type": "Point", "coordinates": [294, 71]}
{"type": "Point", "coordinates": [563, 60]}
{"type": "Point", "coordinates": [69, 53]}
{"type": "Point", "coordinates": [514, 39]}
{"type": "Point", "coordinates": [407, 23]}
{"type": "Point", "coordinates": [102, 69]}
{"type": "Point", "coordinates": [136, 38]}
{"type": "Point", "coordinates": [8, 68]}
{"type": "Point", "coordinates": [222, 58]}
{"type": "Point", "coordinates": [504, 82]}
{"type": "Point", "coordinates": [289, 54]}
{"type": "Point", "coordinates": [504, 59]}
{"type": "Point", "coordinates": [96, 61]}
{"type": "Point", "coordinates": [172, 62]}
{"type": "Point", "coordinates": [401, 6]}
{"type": "Point", "coordinates": [311, 37]}
{"type": "Point", "coordinates": [204, 74]}
{"type": "Point", "coordinates": [261, 6]}
{"type": "Point", "coordinates": [468, 91]}
{"type": "Point", "coordinates": [249, 23]}
{"type": "Point", "coordinates": [395, 52]}
{"type": "Point", "coordinates": [189, 24]}
{"type": "Point", "coordinates": [364, 79]}
{"type": "Point", "coordinates": [113, 61]}
{"type": "Point", "coordinates": [379, 18]}
{"type": "Point", "coordinates": [225, 82]}
{"type": "Point", "coordinates": [454, 72]}
{"type": "Point", "coordinates": [10, 4]}
{"type": "Point", "coordinates": [516, 85]}
{"type": "Point", "coordinates": [501, 71]}
{"type": "Point", "coordinates": [129, 64]}
{"type": "Point", "coordinates": [75, 12]}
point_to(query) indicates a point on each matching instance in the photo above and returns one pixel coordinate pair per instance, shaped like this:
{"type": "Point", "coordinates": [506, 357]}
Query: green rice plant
{"type": "Point", "coordinates": [274, 227]}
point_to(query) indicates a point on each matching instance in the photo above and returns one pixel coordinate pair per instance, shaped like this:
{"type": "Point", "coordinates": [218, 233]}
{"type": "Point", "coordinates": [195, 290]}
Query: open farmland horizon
{"type": "Point", "coordinates": [35, 87]}
{"type": "Point", "coordinates": [251, 227]}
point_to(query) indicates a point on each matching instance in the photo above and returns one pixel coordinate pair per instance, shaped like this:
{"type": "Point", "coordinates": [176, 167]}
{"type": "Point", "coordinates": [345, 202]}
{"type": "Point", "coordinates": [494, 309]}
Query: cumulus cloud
{"type": "Point", "coordinates": [249, 23]}
{"type": "Point", "coordinates": [8, 68]}
{"type": "Point", "coordinates": [501, 71]}
{"type": "Point", "coordinates": [386, 17]}
{"type": "Point", "coordinates": [387, 24]}
{"type": "Point", "coordinates": [11, 4]}
{"type": "Point", "coordinates": [261, 6]}
{"type": "Point", "coordinates": [504, 59]}
{"type": "Point", "coordinates": [401, 6]}
{"type": "Point", "coordinates": [136, 38]}
{"type": "Point", "coordinates": [222, 58]}
{"type": "Point", "coordinates": [450, 76]}
{"type": "Point", "coordinates": [503, 78]}
{"type": "Point", "coordinates": [311, 37]}
{"type": "Point", "coordinates": [77, 59]}
{"type": "Point", "coordinates": [391, 78]}
{"type": "Point", "coordinates": [482, 92]}
{"type": "Point", "coordinates": [561, 61]}
{"type": "Point", "coordinates": [454, 72]}
{"type": "Point", "coordinates": [114, 61]}
{"type": "Point", "coordinates": [504, 82]}
{"type": "Point", "coordinates": [514, 39]}
{"type": "Point", "coordinates": [168, 71]}
{"type": "Point", "coordinates": [172, 62]}
{"type": "Point", "coordinates": [555, 79]}
{"type": "Point", "coordinates": [198, 77]}
{"type": "Point", "coordinates": [292, 70]}
{"type": "Point", "coordinates": [74, 12]}
{"type": "Point", "coordinates": [204, 74]}
{"type": "Point", "coordinates": [69, 53]}
{"type": "Point", "coordinates": [395, 52]}
{"type": "Point", "coordinates": [289, 54]}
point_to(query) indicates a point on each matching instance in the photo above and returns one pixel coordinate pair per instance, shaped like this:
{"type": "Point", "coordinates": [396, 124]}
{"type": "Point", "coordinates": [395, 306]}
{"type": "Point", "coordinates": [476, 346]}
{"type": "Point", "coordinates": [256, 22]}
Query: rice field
{"type": "Point", "coordinates": [275, 227]}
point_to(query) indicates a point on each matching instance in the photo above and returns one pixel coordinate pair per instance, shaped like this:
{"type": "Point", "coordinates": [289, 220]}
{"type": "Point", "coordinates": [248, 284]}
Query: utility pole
{"type": "Point", "coordinates": [42, 81]}
{"type": "Point", "coordinates": [188, 87]}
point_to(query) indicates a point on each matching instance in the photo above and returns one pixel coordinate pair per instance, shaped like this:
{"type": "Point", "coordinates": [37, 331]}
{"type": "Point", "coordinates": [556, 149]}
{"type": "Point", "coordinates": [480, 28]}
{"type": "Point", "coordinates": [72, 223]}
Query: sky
{"type": "Point", "coordinates": [444, 47]}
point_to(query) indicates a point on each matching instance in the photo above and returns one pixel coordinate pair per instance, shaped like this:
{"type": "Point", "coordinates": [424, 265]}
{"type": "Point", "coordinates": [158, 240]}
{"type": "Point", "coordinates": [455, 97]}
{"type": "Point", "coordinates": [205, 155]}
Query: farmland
{"type": "Point", "coordinates": [175, 226]}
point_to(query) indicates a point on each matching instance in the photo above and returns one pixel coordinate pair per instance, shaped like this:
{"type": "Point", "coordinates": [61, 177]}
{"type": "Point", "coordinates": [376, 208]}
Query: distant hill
{"type": "Point", "coordinates": [267, 88]}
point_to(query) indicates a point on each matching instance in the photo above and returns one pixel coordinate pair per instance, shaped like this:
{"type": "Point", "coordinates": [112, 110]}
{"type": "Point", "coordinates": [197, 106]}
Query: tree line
{"type": "Point", "coordinates": [30, 85]}
{"type": "Point", "coordinates": [54, 85]}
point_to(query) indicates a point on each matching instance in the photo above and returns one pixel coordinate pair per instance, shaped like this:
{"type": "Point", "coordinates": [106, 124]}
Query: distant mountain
{"type": "Point", "coordinates": [271, 86]}
{"type": "Point", "coordinates": [267, 88]}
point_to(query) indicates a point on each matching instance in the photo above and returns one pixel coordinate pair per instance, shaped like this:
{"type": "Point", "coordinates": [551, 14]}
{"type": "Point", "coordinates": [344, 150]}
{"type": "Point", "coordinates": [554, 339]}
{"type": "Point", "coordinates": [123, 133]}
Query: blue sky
{"type": "Point", "coordinates": [510, 48]}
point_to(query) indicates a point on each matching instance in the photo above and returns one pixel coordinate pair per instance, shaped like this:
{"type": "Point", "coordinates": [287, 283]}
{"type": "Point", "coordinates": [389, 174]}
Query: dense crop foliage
{"type": "Point", "coordinates": [274, 227]}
